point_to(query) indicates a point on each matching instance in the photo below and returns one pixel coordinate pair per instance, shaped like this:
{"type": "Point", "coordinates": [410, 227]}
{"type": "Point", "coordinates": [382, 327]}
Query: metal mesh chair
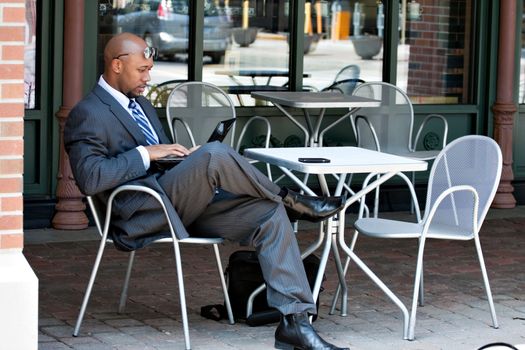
{"type": "Point", "coordinates": [389, 127]}
{"type": "Point", "coordinates": [102, 217]}
{"type": "Point", "coordinates": [193, 110]}
{"type": "Point", "coordinates": [462, 184]}
{"type": "Point", "coordinates": [158, 94]}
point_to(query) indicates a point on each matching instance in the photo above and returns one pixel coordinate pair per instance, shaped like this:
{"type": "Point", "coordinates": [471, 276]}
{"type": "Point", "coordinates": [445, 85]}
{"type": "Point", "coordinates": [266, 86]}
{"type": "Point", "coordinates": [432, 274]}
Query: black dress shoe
{"type": "Point", "coordinates": [311, 208]}
{"type": "Point", "coordinates": [296, 332]}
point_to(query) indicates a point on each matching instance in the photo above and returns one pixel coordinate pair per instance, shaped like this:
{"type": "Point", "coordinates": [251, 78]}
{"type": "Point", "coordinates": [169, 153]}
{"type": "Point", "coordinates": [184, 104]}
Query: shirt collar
{"type": "Point", "coordinates": [122, 99]}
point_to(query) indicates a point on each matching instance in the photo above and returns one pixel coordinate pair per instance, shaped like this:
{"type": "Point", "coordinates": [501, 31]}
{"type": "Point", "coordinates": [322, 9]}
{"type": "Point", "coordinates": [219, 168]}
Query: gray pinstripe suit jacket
{"type": "Point", "coordinates": [101, 138]}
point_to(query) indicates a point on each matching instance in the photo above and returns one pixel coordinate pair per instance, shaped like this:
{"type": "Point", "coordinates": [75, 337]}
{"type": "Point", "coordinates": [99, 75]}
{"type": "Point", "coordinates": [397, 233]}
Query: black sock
{"type": "Point", "coordinates": [283, 192]}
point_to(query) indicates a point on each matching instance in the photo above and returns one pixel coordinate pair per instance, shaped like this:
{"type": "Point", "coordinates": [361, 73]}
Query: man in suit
{"type": "Point", "coordinates": [114, 135]}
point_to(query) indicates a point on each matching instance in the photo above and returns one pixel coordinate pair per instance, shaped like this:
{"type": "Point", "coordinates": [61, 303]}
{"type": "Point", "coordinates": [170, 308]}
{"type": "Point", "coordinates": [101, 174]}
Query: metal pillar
{"type": "Point", "coordinates": [70, 207]}
{"type": "Point", "coordinates": [504, 107]}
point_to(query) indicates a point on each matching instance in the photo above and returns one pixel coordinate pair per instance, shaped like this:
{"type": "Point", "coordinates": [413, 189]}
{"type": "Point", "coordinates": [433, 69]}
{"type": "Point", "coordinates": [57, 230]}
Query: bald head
{"type": "Point", "coordinates": [126, 68]}
{"type": "Point", "coordinates": [124, 43]}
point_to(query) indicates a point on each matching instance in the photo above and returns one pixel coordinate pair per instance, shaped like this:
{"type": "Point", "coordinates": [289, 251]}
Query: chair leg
{"type": "Point", "coordinates": [182, 295]}
{"type": "Point", "coordinates": [124, 293]}
{"type": "Point", "coordinates": [412, 208]}
{"type": "Point", "coordinates": [376, 201]}
{"type": "Point", "coordinates": [486, 281]}
{"type": "Point", "coordinates": [223, 284]}
{"type": "Point", "coordinates": [89, 287]}
{"type": "Point", "coordinates": [421, 287]}
{"type": "Point", "coordinates": [417, 281]}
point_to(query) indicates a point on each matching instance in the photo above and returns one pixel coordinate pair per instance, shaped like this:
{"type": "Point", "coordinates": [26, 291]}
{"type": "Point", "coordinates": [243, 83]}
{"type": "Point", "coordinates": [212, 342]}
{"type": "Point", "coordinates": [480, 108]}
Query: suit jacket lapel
{"type": "Point", "coordinates": [121, 114]}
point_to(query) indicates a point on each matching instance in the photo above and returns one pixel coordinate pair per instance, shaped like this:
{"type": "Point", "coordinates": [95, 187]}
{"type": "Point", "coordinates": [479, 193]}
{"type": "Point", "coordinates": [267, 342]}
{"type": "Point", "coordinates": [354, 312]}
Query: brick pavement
{"type": "Point", "coordinates": [455, 316]}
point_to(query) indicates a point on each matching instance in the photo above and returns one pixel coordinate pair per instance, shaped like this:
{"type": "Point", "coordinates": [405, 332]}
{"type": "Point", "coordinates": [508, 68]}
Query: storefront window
{"type": "Point", "coordinates": [433, 52]}
{"type": "Point", "coordinates": [258, 53]}
{"type": "Point", "coordinates": [163, 24]}
{"type": "Point", "coordinates": [347, 43]}
{"type": "Point", "coordinates": [30, 81]}
{"type": "Point", "coordinates": [246, 44]}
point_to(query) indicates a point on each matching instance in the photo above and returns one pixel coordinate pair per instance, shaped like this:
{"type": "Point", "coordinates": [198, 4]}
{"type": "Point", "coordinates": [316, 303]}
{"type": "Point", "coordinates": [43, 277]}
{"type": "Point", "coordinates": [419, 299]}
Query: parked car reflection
{"type": "Point", "coordinates": [165, 24]}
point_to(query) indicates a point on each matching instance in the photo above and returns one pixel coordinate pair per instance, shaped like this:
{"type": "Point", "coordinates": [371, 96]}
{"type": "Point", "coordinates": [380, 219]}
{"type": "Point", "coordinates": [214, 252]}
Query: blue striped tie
{"type": "Point", "coordinates": [142, 122]}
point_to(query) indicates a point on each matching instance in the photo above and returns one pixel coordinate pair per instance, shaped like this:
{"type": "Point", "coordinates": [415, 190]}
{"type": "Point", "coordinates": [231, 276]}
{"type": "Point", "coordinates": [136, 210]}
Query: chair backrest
{"type": "Point", "coordinates": [392, 121]}
{"type": "Point", "coordinates": [193, 110]}
{"type": "Point", "coordinates": [345, 80]}
{"type": "Point", "coordinates": [351, 71]}
{"type": "Point", "coordinates": [472, 160]}
{"type": "Point", "coordinates": [158, 94]}
{"type": "Point", "coordinates": [345, 86]}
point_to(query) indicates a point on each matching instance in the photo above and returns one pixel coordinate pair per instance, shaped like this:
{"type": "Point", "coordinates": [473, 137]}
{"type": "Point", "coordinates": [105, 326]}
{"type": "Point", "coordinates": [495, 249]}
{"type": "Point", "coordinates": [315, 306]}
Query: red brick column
{"type": "Point", "coordinates": [18, 282]}
{"type": "Point", "coordinates": [12, 29]}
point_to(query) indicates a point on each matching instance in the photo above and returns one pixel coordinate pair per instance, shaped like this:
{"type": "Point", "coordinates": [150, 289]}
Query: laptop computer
{"type": "Point", "coordinates": [218, 134]}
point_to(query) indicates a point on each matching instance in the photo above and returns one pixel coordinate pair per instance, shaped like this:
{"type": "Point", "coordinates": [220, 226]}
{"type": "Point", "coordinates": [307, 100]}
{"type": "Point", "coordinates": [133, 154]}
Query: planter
{"type": "Point", "coordinates": [310, 42]}
{"type": "Point", "coordinates": [244, 37]}
{"type": "Point", "coordinates": [367, 46]}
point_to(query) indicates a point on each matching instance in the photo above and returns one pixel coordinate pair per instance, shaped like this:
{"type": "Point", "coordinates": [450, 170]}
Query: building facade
{"type": "Point", "coordinates": [461, 59]}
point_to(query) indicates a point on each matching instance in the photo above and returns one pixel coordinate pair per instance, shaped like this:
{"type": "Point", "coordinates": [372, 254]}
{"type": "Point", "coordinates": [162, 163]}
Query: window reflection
{"type": "Point", "coordinates": [349, 46]}
{"type": "Point", "coordinates": [30, 55]}
{"type": "Point", "coordinates": [162, 23]}
{"type": "Point", "coordinates": [434, 55]}
{"type": "Point", "coordinates": [259, 51]}
{"type": "Point", "coordinates": [246, 44]}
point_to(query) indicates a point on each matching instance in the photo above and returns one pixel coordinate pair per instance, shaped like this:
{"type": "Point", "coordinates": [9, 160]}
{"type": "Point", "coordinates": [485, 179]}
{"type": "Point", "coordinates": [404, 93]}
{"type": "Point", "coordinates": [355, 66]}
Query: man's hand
{"type": "Point", "coordinates": [162, 150]}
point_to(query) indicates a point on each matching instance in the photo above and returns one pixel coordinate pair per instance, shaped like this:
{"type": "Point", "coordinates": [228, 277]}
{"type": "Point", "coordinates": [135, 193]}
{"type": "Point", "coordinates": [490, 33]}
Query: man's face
{"type": "Point", "coordinates": [134, 74]}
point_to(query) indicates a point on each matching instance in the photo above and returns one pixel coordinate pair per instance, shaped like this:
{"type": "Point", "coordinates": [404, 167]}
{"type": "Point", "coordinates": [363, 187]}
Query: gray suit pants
{"type": "Point", "coordinates": [250, 212]}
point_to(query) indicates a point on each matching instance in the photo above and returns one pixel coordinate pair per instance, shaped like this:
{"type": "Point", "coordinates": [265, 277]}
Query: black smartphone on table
{"type": "Point", "coordinates": [314, 160]}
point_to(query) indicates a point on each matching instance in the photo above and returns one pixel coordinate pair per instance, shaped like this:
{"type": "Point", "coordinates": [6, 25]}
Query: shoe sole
{"type": "Point", "coordinates": [285, 346]}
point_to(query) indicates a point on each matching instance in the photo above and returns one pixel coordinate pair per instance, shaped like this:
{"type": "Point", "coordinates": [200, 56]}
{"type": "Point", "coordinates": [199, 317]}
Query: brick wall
{"type": "Point", "coordinates": [12, 32]}
{"type": "Point", "coordinates": [437, 52]}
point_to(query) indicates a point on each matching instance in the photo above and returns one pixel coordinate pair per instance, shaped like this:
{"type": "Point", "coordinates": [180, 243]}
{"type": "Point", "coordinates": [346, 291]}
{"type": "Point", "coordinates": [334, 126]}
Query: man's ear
{"type": "Point", "coordinates": [116, 66]}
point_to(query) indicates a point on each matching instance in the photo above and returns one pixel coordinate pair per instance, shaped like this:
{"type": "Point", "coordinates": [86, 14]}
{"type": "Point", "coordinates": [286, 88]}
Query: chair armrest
{"type": "Point", "coordinates": [245, 128]}
{"type": "Point", "coordinates": [135, 188]}
{"type": "Point", "coordinates": [364, 119]}
{"type": "Point", "coordinates": [429, 215]}
{"type": "Point", "coordinates": [410, 187]}
{"type": "Point", "coordinates": [173, 130]}
{"type": "Point", "coordinates": [423, 125]}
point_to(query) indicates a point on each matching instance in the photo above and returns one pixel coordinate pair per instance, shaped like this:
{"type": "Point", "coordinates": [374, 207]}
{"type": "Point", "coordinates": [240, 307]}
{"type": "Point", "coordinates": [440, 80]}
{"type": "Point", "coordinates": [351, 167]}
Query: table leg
{"type": "Point", "coordinates": [339, 230]}
{"type": "Point", "coordinates": [341, 274]}
{"type": "Point", "coordinates": [379, 283]}
{"type": "Point", "coordinates": [339, 120]}
{"type": "Point", "coordinates": [323, 260]}
{"type": "Point", "coordinates": [341, 239]}
{"type": "Point", "coordinates": [306, 132]}
{"type": "Point", "coordinates": [298, 181]}
{"type": "Point", "coordinates": [332, 234]}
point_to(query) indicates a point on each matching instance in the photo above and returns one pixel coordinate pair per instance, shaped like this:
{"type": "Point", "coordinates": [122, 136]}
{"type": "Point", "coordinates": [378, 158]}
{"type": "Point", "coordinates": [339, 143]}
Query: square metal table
{"type": "Point", "coordinates": [307, 100]}
{"type": "Point", "coordinates": [343, 160]}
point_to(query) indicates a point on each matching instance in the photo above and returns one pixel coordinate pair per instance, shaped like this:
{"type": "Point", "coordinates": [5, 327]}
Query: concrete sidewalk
{"type": "Point", "coordinates": [455, 316]}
